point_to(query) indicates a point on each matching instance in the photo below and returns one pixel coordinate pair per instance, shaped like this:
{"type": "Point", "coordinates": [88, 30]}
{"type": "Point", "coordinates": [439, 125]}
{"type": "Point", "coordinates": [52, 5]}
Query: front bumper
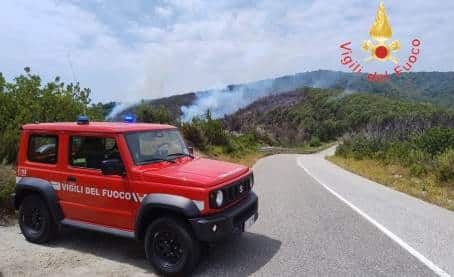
{"type": "Point", "coordinates": [227, 222]}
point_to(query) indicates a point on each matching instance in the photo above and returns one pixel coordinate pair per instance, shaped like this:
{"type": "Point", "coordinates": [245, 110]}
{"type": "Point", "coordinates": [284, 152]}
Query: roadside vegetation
{"type": "Point", "coordinates": [419, 163]}
{"type": "Point", "coordinates": [7, 183]}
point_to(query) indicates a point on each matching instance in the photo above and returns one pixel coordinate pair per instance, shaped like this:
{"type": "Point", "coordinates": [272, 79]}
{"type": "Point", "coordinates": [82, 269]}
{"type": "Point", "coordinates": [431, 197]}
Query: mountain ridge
{"type": "Point", "coordinates": [435, 87]}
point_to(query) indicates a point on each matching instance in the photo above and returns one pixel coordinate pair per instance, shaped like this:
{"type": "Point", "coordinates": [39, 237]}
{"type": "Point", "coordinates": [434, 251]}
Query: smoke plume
{"type": "Point", "coordinates": [230, 99]}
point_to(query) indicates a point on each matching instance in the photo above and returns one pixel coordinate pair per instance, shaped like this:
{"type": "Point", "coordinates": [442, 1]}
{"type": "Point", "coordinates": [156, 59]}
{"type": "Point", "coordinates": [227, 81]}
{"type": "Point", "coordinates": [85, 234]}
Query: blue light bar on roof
{"type": "Point", "coordinates": [129, 118]}
{"type": "Point", "coordinates": [82, 120]}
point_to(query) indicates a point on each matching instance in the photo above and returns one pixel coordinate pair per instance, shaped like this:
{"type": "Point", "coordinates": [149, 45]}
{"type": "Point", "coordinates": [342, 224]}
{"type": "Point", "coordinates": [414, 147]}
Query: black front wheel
{"type": "Point", "coordinates": [171, 247]}
{"type": "Point", "coordinates": [35, 220]}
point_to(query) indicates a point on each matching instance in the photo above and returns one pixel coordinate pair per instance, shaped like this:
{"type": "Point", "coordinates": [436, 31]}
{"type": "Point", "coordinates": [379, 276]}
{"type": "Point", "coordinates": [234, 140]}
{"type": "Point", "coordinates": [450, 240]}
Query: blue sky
{"type": "Point", "coordinates": [127, 50]}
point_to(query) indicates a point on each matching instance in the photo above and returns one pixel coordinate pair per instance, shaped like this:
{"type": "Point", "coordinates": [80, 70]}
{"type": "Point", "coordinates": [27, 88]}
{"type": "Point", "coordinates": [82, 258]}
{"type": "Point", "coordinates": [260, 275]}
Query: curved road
{"type": "Point", "coordinates": [303, 230]}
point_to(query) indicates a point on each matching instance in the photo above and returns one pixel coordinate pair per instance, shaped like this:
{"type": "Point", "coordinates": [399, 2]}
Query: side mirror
{"type": "Point", "coordinates": [191, 150]}
{"type": "Point", "coordinates": [112, 167]}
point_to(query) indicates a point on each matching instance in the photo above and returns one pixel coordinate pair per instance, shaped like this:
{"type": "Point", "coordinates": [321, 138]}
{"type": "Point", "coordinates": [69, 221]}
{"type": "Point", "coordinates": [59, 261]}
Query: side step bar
{"type": "Point", "coordinates": [97, 228]}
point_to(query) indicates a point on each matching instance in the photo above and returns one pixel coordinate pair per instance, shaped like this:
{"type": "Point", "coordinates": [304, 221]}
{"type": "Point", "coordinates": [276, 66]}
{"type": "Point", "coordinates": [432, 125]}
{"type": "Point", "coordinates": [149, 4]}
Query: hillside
{"type": "Point", "coordinates": [298, 116]}
{"type": "Point", "coordinates": [434, 87]}
{"type": "Point", "coordinates": [173, 104]}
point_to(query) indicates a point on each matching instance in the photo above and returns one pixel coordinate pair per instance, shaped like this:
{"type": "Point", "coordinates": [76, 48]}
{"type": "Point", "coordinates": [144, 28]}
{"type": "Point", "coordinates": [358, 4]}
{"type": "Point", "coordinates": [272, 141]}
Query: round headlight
{"type": "Point", "coordinates": [219, 198]}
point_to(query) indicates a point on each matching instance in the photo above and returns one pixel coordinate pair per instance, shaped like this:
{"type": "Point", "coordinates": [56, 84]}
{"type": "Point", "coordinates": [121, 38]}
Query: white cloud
{"type": "Point", "coordinates": [163, 11]}
{"type": "Point", "coordinates": [126, 50]}
{"type": "Point", "coordinates": [48, 36]}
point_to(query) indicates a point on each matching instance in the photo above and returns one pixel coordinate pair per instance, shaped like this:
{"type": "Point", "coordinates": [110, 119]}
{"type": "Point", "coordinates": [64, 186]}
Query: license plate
{"type": "Point", "coordinates": [249, 222]}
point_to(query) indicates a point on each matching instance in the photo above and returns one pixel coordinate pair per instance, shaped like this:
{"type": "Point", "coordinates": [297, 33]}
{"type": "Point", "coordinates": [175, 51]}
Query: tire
{"type": "Point", "coordinates": [35, 221]}
{"type": "Point", "coordinates": [171, 247]}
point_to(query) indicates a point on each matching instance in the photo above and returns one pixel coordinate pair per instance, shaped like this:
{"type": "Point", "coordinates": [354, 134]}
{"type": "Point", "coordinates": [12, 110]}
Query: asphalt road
{"type": "Point", "coordinates": [303, 230]}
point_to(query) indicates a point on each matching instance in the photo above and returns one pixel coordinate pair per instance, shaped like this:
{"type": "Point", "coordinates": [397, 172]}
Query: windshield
{"type": "Point", "coordinates": [155, 146]}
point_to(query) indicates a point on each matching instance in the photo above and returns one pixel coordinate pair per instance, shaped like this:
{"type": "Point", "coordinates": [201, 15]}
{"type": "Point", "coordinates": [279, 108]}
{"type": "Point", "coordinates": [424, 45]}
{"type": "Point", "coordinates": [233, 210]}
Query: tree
{"type": "Point", "coordinates": [149, 114]}
{"type": "Point", "coordinates": [27, 100]}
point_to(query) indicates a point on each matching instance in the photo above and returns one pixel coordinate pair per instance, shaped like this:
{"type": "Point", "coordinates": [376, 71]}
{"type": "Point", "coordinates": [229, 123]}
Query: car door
{"type": "Point", "coordinates": [86, 194]}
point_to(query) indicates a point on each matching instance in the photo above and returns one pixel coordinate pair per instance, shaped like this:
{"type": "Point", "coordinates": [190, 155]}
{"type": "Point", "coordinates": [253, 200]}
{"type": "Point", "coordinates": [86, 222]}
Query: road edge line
{"type": "Point", "coordinates": [440, 272]}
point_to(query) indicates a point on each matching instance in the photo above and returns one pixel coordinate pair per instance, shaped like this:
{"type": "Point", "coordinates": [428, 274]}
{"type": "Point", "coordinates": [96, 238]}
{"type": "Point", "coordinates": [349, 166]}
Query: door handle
{"type": "Point", "coordinates": [71, 179]}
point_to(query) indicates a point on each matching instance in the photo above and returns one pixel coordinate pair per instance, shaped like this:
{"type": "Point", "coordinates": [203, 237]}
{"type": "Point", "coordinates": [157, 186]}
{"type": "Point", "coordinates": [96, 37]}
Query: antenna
{"type": "Point", "coordinates": [74, 76]}
{"type": "Point", "coordinates": [71, 67]}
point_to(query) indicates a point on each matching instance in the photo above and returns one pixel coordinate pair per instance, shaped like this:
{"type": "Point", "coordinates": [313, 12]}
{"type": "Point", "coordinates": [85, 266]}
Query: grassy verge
{"type": "Point", "coordinates": [427, 187]}
{"type": "Point", "coordinates": [7, 182]}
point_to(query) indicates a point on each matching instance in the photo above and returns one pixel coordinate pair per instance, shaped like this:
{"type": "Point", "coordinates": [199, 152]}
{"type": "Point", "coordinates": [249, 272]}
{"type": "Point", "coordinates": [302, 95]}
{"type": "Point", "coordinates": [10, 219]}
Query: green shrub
{"type": "Point", "coordinates": [444, 167]}
{"type": "Point", "coordinates": [214, 132]}
{"type": "Point", "coordinates": [149, 114]}
{"type": "Point", "coordinates": [399, 152]}
{"type": "Point", "coordinates": [417, 170]}
{"type": "Point", "coordinates": [209, 135]}
{"type": "Point", "coordinates": [314, 142]}
{"type": "Point", "coordinates": [242, 144]}
{"type": "Point", "coordinates": [417, 156]}
{"type": "Point", "coordinates": [436, 140]}
{"type": "Point", "coordinates": [5, 191]}
{"type": "Point", "coordinates": [194, 135]}
{"type": "Point", "coordinates": [344, 149]}
{"type": "Point", "coordinates": [363, 147]}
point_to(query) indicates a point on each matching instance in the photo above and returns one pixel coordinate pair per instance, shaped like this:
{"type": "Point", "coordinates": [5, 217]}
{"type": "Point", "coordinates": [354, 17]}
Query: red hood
{"type": "Point", "coordinates": [198, 172]}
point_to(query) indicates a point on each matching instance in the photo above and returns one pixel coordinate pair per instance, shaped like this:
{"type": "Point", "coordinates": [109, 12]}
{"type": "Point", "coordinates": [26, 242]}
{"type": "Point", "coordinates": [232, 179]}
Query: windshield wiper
{"type": "Point", "coordinates": [180, 154]}
{"type": "Point", "coordinates": [156, 160]}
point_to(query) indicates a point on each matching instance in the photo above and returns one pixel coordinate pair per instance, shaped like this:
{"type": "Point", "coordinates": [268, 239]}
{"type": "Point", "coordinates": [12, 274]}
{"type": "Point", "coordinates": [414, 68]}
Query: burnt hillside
{"type": "Point", "coordinates": [326, 114]}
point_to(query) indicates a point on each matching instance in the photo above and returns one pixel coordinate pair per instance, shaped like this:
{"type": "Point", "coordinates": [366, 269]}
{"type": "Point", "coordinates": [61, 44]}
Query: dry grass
{"type": "Point", "coordinates": [427, 187]}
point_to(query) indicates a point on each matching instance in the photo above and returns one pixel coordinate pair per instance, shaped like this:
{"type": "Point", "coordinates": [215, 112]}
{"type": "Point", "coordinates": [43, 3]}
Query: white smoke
{"type": "Point", "coordinates": [232, 98]}
{"type": "Point", "coordinates": [118, 108]}
{"type": "Point", "coordinates": [226, 101]}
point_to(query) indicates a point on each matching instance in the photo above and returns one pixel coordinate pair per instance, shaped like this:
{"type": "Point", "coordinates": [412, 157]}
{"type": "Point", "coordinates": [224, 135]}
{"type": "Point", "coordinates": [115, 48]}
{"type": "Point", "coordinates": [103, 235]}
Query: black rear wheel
{"type": "Point", "coordinates": [35, 220]}
{"type": "Point", "coordinates": [171, 247]}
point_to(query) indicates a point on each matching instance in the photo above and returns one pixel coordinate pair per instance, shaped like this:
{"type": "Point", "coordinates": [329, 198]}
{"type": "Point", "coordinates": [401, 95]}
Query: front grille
{"type": "Point", "coordinates": [236, 190]}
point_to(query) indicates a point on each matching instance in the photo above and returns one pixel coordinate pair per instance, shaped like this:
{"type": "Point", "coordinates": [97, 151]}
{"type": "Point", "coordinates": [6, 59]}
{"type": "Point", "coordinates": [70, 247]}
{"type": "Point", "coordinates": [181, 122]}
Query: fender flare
{"type": "Point", "coordinates": [36, 185]}
{"type": "Point", "coordinates": [172, 203]}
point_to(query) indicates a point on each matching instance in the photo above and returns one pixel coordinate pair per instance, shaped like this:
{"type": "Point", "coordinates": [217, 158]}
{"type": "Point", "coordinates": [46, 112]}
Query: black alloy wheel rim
{"type": "Point", "coordinates": [168, 248]}
{"type": "Point", "coordinates": [33, 219]}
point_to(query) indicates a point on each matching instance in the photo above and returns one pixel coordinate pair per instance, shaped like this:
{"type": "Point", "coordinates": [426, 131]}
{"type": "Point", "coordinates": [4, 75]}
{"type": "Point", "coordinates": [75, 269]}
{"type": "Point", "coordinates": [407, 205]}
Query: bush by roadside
{"type": "Point", "coordinates": [430, 151]}
{"type": "Point", "coordinates": [424, 162]}
{"type": "Point", "coordinates": [7, 183]}
{"type": "Point", "coordinates": [445, 165]}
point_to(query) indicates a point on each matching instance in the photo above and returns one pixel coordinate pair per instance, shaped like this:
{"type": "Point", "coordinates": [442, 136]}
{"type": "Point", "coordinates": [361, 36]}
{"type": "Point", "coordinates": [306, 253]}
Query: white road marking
{"type": "Point", "coordinates": [440, 272]}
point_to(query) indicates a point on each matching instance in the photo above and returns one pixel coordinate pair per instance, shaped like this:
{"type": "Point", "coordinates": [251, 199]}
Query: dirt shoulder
{"type": "Point", "coordinates": [75, 253]}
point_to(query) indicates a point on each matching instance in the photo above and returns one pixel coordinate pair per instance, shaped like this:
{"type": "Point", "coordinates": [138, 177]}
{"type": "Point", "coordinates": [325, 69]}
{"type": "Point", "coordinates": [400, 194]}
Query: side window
{"type": "Point", "coordinates": [43, 149]}
{"type": "Point", "coordinates": [89, 152]}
